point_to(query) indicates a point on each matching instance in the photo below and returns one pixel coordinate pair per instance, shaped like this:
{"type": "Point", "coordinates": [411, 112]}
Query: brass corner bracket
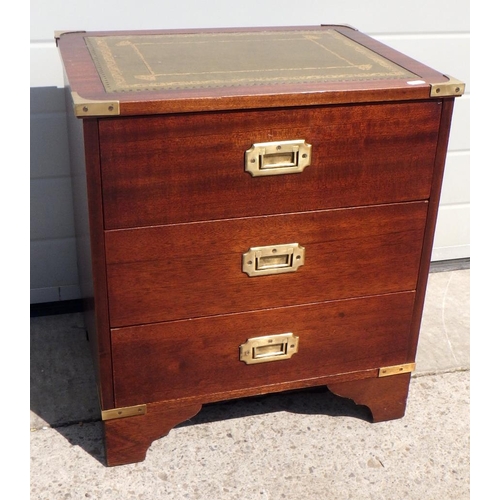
{"type": "Point", "coordinates": [387, 371]}
{"type": "Point", "coordinates": [452, 87]}
{"type": "Point", "coordinates": [88, 107]}
{"type": "Point", "coordinates": [128, 411]}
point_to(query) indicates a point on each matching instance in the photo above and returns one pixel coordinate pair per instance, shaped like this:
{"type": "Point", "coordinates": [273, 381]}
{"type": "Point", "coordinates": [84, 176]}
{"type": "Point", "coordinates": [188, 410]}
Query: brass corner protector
{"type": "Point", "coordinates": [128, 411]}
{"type": "Point", "coordinates": [452, 87]}
{"type": "Point", "coordinates": [87, 107]}
{"type": "Point", "coordinates": [387, 371]}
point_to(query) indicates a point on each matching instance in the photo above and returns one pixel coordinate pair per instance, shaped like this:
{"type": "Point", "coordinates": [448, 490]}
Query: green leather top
{"type": "Point", "coordinates": [210, 60]}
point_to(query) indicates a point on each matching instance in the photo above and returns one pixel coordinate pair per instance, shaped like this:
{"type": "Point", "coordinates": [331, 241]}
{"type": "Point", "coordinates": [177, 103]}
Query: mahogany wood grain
{"type": "Point", "coordinates": [200, 357]}
{"type": "Point", "coordinates": [128, 439]}
{"type": "Point", "coordinates": [181, 271]}
{"type": "Point", "coordinates": [284, 385]}
{"type": "Point", "coordinates": [361, 155]}
{"type": "Point", "coordinates": [437, 182]}
{"type": "Point", "coordinates": [87, 206]}
{"type": "Point", "coordinates": [99, 301]}
{"type": "Point", "coordinates": [385, 397]}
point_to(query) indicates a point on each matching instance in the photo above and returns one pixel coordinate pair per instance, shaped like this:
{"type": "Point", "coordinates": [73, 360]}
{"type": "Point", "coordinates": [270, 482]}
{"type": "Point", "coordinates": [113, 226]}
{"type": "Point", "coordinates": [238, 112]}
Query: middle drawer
{"type": "Point", "coordinates": [181, 271]}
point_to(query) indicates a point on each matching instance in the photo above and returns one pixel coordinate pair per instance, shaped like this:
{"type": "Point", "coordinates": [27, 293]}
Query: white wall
{"type": "Point", "coordinates": [435, 33]}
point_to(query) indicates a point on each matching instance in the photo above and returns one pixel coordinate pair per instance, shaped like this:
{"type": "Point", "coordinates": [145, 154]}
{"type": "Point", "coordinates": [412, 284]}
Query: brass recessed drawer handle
{"type": "Point", "coordinates": [277, 158]}
{"type": "Point", "coordinates": [273, 259]}
{"type": "Point", "coordinates": [269, 348]}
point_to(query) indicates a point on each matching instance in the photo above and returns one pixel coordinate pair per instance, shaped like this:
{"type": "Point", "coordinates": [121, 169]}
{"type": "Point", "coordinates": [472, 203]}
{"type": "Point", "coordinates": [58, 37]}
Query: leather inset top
{"type": "Point", "coordinates": [209, 60]}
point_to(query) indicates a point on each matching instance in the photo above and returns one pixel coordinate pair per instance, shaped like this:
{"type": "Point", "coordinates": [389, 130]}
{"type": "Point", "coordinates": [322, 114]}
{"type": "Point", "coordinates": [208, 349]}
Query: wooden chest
{"type": "Point", "coordinates": [255, 211]}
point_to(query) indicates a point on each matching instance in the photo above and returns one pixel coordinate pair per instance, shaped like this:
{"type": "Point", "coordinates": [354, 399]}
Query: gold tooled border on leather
{"type": "Point", "coordinates": [209, 60]}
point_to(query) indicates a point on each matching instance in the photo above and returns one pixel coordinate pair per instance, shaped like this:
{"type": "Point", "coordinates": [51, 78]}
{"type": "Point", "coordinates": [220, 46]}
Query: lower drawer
{"type": "Point", "coordinates": [201, 357]}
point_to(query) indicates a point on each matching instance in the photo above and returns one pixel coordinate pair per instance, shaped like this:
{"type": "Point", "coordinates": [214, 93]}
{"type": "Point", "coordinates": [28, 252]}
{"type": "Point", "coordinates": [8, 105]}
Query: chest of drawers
{"type": "Point", "coordinates": [255, 211]}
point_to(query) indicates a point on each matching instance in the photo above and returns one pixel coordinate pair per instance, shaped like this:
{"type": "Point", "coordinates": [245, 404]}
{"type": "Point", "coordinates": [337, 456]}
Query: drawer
{"type": "Point", "coordinates": [179, 168]}
{"type": "Point", "coordinates": [181, 271]}
{"type": "Point", "coordinates": [201, 357]}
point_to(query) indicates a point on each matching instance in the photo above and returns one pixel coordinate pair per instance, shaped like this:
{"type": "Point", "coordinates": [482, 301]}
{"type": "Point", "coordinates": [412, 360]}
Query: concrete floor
{"type": "Point", "coordinates": [306, 445]}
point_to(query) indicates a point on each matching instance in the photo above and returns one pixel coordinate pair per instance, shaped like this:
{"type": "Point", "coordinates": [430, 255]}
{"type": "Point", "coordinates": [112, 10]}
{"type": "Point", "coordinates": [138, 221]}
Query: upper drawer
{"type": "Point", "coordinates": [181, 168]}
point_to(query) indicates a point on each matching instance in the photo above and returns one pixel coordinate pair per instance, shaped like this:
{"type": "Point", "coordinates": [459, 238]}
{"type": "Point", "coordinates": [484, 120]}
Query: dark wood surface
{"type": "Point", "coordinates": [385, 397]}
{"type": "Point", "coordinates": [128, 439]}
{"type": "Point", "coordinates": [361, 155]}
{"type": "Point", "coordinates": [190, 270]}
{"type": "Point", "coordinates": [437, 181]}
{"type": "Point", "coordinates": [199, 357]}
{"type": "Point", "coordinates": [87, 203]}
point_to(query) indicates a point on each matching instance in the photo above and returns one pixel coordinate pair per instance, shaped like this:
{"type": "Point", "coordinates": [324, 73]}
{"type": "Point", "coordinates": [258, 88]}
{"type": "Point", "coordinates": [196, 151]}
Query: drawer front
{"type": "Point", "coordinates": [182, 168]}
{"type": "Point", "coordinates": [184, 271]}
{"type": "Point", "coordinates": [200, 357]}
